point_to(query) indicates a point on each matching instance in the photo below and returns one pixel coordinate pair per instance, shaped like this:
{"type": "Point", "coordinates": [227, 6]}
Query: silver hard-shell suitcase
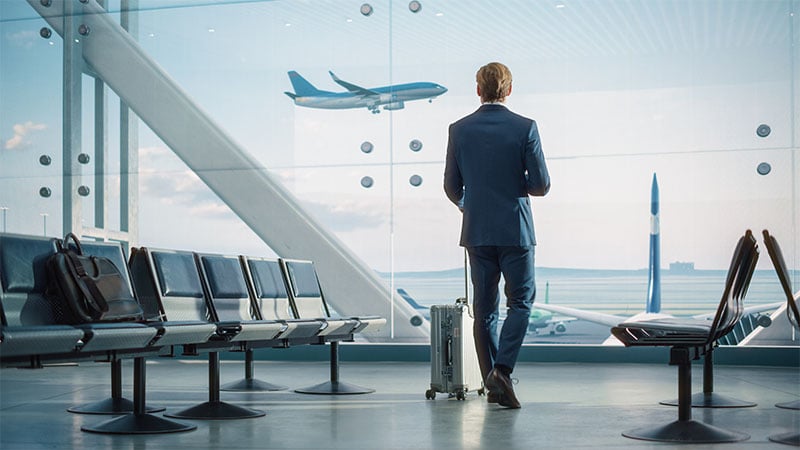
{"type": "Point", "coordinates": [454, 362]}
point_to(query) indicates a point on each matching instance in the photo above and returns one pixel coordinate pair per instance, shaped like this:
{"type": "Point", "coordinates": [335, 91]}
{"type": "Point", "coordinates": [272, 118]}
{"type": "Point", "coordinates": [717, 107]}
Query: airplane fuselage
{"type": "Point", "coordinates": [391, 97]}
{"type": "Point", "coordinates": [539, 318]}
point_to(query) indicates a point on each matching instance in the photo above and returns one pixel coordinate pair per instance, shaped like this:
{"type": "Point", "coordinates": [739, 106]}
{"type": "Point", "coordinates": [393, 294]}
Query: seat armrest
{"type": "Point", "coordinates": [674, 325]}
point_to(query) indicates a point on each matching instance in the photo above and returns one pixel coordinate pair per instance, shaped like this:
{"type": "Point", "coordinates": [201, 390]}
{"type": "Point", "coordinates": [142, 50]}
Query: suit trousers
{"type": "Point", "coordinates": [516, 265]}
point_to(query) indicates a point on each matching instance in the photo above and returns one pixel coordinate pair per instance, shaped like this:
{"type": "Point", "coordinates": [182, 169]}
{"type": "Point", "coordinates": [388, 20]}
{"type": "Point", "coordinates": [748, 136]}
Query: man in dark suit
{"type": "Point", "coordinates": [494, 162]}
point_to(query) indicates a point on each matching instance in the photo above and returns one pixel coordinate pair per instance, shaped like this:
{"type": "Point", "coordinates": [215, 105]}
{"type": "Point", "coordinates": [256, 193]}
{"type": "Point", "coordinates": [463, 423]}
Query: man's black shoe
{"type": "Point", "coordinates": [499, 382]}
{"type": "Point", "coordinates": [494, 397]}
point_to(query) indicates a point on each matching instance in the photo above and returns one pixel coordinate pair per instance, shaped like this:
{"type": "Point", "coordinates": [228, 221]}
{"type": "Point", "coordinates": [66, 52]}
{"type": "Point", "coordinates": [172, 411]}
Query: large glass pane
{"type": "Point", "coordinates": [30, 122]}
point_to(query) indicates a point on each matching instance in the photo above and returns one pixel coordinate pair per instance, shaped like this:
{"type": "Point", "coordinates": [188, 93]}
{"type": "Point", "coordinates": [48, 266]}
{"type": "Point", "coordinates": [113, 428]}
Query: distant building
{"type": "Point", "coordinates": [679, 266]}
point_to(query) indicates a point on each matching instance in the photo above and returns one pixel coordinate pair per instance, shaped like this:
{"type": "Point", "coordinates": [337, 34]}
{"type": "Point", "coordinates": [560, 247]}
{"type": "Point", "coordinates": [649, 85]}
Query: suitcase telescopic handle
{"type": "Point", "coordinates": [466, 277]}
{"type": "Point", "coordinates": [448, 352]}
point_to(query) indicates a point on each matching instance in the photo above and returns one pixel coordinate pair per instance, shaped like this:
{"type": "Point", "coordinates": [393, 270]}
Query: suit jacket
{"type": "Point", "coordinates": [494, 161]}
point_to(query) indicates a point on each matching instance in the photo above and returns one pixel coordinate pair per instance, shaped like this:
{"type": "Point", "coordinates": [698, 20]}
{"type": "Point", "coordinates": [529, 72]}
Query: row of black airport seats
{"type": "Point", "coordinates": [189, 299]}
{"type": "Point", "coordinates": [192, 303]}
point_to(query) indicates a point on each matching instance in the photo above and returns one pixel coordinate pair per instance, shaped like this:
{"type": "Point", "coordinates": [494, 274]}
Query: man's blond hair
{"type": "Point", "coordinates": [494, 82]}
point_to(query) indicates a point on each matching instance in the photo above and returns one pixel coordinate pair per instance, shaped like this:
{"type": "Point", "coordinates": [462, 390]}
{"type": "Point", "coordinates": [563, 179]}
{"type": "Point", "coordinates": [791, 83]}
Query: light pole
{"type": "Point", "coordinates": [5, 212]}
{"type": "Point", "coordinates": [44, 222]}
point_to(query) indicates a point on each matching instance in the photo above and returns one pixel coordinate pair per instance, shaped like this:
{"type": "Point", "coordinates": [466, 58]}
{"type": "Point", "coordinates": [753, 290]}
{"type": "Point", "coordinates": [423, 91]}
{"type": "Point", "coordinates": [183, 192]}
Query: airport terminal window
{"type": "Point", "coordinates": [701, 95]}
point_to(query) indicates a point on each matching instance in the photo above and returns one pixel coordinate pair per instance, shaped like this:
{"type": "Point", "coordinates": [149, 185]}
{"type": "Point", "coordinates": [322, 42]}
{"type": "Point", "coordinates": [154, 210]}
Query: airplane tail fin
{"type": "Point", "coordinates": [424, 311]}
{"type": "Point", "coordinates": [407, 297]}
{"type": "Point", "coordinates": [302, 87]}
{"type": "Point", "coordinates": [654, 269]}
{"type": "Point", "coordinates": [547, 293]}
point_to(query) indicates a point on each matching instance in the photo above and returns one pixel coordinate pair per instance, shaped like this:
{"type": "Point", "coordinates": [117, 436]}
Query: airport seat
{"type": "Point", "coordinates": [271, 299]}
{"type": "Point", "coordinates": [689, 339]}
{"type": "Point", "coordinates": [230, 300]}
{"type": "Point", "coordinates": [110, 337]}
{"type": "Point", "coordinates": [29, 328]}
{"type": "Point", "coordinates": [307, 302]}
{"type": "Point", "coordinates": [792, 313]}
{"type": "Point", "coordinates": [170, 281]}
{"type": "Point", "coordinates": [168, 334]}
{"type": "Point", "coordinates": [138, 417]}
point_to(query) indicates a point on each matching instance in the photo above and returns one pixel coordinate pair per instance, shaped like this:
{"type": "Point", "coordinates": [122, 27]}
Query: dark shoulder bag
{"type": "Point", "coordinates": [92, 286]}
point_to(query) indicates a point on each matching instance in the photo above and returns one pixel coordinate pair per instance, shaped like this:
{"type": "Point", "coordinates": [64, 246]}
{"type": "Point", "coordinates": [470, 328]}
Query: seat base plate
{"type": "Point", "coordinates": [789, 405]}
{"type": "Point", "coordinates": [217, 411]}
{"type": "Point", "coordinates": [790, 438]}
{"type": "Point", "coordinates": [686, 431]}
{"type": "Point", "coordinates": [334, 388]}
{"type": "Point", "coordinates": [138, 424]}
{"type": "Point", "coordinates": [252, 385]}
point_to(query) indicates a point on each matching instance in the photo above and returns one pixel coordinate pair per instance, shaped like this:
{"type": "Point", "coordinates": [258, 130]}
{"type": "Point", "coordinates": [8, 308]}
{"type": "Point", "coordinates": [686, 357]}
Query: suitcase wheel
{"type": "Point", "coordinates": [461, 395]}
{"type": "Point", "coordinates": [430, 394]}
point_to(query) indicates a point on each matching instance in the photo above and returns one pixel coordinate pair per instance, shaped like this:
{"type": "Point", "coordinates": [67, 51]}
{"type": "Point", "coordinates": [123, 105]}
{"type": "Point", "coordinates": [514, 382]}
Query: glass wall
{"type": "Point", "coordinates": [701, 94]}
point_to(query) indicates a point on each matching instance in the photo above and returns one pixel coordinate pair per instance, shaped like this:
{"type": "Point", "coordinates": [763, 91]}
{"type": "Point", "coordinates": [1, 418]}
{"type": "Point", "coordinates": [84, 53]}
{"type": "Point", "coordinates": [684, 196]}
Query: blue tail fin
{"type": "Point", "coordinates": [654, 269]}
{"type": "Point", "coordinates": [302, 88]}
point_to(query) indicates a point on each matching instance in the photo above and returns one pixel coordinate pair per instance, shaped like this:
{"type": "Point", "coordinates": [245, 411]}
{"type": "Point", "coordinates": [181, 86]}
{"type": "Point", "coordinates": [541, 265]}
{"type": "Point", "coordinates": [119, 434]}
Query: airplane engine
{"type": "Point", "coordinates": [764, 321]}
{"type": "Point", "coordinates": [560, 327]}
{"type": "Point", "coordinates": [394, 106]}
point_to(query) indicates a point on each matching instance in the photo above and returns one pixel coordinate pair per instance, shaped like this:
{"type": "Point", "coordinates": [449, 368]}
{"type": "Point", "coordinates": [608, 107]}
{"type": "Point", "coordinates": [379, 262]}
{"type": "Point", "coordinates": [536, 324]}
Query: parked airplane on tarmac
{"type": "Point", "coordinates": [653, 304]}
{"type": "Point", "coordinates": [390, 97]}
{"type": "Point", "coordinates": [539, 317]}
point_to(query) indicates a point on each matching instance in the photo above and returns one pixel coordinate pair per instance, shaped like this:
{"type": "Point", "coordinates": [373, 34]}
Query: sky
{"type": "Point", "coordinates": [620, 90]}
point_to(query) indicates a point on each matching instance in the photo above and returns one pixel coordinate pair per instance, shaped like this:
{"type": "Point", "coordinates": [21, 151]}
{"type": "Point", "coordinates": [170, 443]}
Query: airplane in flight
{"type": "Point", "coordinates": [653, 301]}
{"type": "Point", "coordinates": [391, 97]}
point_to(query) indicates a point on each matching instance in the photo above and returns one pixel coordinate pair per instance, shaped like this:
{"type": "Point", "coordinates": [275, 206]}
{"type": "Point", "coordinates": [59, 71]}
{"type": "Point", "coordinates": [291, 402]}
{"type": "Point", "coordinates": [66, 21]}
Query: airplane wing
{"type": "Point", "coordinates": [561, 319]}
{"type": "Point", "coordinates": [596, 317]}
{"type": "Point", "coordinates": [358, 90]}
{"type": "Point", "coordinates": [747, 310]}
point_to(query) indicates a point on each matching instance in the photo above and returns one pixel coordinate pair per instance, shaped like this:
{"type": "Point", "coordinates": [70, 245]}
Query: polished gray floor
{"type": "Point", "coordinates": [565, 405]}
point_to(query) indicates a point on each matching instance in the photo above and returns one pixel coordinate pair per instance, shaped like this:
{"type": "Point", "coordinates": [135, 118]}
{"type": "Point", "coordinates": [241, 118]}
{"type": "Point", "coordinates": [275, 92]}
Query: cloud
{"type": "Point", "coordinates": [164, 177]}
{"type": "Point", "coordinates": [184, 188]}
{"type": "Point", "coordinates": [343, 214]}
{"type": "Point", "coordinates": [21, 130]}
{"type": "Point", "coordinates": [23, 39]}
